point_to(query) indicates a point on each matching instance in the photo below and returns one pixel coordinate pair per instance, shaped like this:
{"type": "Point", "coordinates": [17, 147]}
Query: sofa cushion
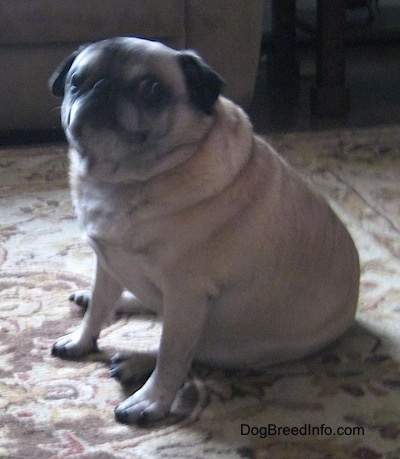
{"type": "Point", "coordinates": [27, 22]}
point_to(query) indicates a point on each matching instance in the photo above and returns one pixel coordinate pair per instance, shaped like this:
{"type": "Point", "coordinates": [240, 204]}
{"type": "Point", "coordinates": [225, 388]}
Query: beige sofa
{"type": "Point", "coordinates": [35, 35]}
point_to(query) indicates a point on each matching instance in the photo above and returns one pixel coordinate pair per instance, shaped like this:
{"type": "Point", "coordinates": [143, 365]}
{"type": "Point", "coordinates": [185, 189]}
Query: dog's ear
{"type": "Point", "coordinates": [57, 80]}
{"type": "Point", "coordinates": [204, 84]}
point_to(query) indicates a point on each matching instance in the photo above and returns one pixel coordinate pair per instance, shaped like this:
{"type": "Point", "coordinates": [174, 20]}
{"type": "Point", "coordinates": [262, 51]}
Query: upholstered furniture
{"type": "Point", "coordinates": [35, 35]}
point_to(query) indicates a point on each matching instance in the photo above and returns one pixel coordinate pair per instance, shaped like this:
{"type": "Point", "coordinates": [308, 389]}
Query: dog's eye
{"type": "Point", "coordinates": [77, 80]}
{"type": "Point", "coordinates": [150, 92]}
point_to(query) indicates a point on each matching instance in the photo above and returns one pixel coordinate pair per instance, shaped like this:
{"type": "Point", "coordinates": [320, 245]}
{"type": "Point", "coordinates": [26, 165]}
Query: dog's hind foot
{"type": "Point", "coordinates": [129, 304]}
{"type": "Point", "coordinates": [130, 368]}
{"type": "Point", "coordinates": [81, 298]}
{"type": "Point", "coordinates": [126, 304]}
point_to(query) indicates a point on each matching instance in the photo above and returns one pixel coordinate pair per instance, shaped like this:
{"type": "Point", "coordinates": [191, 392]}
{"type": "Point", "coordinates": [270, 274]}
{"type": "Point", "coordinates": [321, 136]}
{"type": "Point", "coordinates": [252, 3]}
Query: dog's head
{"type": "Point", "coordinates": [133, 108]}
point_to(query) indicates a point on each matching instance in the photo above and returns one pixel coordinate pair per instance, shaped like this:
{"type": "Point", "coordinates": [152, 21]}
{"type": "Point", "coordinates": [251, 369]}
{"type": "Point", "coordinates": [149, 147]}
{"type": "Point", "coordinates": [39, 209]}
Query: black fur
{"type": "Point", "coordinates": [57, 80]}
{"type": "Point", "coordinates": [203, 83]}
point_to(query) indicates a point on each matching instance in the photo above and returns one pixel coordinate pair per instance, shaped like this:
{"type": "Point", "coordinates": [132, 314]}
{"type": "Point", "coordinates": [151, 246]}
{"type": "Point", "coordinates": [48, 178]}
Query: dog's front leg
{"type": "Point", "coordinates": [105, 292]}
{"type": "Point", "coordinates": [183, 319]}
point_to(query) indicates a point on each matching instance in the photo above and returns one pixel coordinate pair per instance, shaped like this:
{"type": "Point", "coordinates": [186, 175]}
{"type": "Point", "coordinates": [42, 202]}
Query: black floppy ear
{"type": "Point", "coordinates": [57, 80]}
{"type": "Point", "coordinates": [204, 84]}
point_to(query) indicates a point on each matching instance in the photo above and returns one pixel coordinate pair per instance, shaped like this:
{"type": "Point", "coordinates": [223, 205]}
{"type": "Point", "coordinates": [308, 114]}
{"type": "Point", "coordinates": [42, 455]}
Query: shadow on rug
{"type": "Point", "coordinates": [341, 403]}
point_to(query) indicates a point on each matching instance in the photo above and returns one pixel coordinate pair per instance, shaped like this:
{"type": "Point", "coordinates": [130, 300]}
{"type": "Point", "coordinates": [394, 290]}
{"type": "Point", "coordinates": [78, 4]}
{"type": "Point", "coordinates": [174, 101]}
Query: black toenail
{"type": "Point", "coordinates": [59, 351]}
{"type": "Point", "coordinates": [142, 419]}
{"type": "Point", "coordinates": [115, 359]}
{"type": "Point", "coordinates": [115, 372]}
{"type": "Point", "coordinates": [121, 416]}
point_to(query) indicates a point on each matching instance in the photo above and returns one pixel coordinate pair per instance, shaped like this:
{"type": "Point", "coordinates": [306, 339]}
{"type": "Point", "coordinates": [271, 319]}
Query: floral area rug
{"type": "Point", "coordinates": [341, 403]}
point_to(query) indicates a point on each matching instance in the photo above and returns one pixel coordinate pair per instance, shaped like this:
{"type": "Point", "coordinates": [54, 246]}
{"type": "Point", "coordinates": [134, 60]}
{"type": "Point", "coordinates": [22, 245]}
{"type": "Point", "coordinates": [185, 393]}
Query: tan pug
{"type": "Point", "coordinates": [198, 218]}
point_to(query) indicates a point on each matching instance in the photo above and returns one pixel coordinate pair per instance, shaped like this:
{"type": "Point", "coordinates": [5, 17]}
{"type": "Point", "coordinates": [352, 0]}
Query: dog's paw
{"type": "Point", "coordinates": [73, 346]}
{"type": "Point", "coordinates": [130, 368]}
{"type": "Point", "coordinates": [81, 298]}
{"type": "Point", "coordinates": [149, 404]}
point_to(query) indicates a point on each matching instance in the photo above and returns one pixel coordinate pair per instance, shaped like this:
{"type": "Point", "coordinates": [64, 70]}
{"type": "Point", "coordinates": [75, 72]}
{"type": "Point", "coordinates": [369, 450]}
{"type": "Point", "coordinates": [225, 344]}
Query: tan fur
{"type": "Point", "coordinates": [247, 265]}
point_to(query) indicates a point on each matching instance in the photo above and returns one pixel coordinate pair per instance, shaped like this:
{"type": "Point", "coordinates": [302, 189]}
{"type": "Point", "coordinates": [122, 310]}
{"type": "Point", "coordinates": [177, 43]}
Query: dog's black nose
{"type": "Point", "coordinates": [140, 136]}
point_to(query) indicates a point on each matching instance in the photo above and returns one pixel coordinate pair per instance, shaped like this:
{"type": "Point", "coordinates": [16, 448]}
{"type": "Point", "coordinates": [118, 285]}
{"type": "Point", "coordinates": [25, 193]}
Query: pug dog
{"type": "Point", "coordinates": [193, 216]}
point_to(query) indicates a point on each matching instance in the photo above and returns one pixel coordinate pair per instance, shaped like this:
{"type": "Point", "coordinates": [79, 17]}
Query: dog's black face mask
{"type": "Point", "coordinates": [137, 99]}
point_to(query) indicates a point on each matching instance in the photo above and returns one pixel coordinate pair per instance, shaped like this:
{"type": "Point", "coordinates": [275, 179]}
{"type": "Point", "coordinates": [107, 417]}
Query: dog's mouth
{"type": "Point", "coordinates": [82, 119]}
{"type": "Point", "coordinates": [138, 137]}
{"type": "Point", "coordinates": [95, 113]}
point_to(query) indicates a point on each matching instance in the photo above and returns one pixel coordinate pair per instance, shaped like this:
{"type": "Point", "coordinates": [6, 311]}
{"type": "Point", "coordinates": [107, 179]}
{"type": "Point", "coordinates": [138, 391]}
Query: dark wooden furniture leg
{"type": "Point", "coordinates": [284, 64]}
{"type": "Point", "coordinates": [330, 97]}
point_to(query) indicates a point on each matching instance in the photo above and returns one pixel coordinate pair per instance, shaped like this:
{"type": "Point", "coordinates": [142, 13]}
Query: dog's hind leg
{"type": "Point", "coordinates": [81, 298]}
{"type": "Point", "coordinates": [127, 303]}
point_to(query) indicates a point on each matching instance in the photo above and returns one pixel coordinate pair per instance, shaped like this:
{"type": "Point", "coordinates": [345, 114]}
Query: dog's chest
{"type": "Point", "coordinates": [107, 213]}
{"type": "Point", "coordinates": [103, 221]}
{"type": "Point", "coordinates": [120, 223]}
{"type": "Point", "coordinates": [112, 224]}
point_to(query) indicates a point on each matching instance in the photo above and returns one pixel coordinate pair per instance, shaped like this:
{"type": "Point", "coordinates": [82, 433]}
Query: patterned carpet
{"type": "Point", "coordinates": [342, 403]}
